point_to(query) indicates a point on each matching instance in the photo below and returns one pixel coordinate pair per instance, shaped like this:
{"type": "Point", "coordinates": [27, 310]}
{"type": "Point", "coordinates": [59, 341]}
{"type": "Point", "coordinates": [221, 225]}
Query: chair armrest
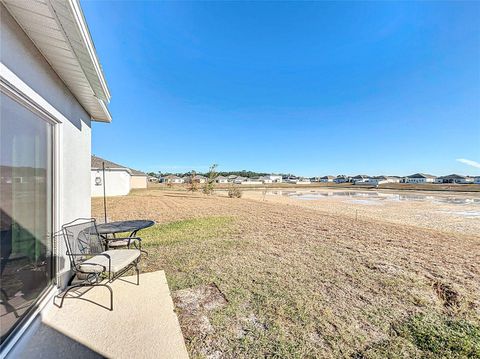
{"type": "Point", "coordinates": [123, 238]}
{"type": "Point", "coordinates": [96, 254]}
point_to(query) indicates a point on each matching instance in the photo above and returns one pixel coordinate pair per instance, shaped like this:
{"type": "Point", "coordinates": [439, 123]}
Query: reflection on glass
{"type": "Point", "coordinates": [25, 211]}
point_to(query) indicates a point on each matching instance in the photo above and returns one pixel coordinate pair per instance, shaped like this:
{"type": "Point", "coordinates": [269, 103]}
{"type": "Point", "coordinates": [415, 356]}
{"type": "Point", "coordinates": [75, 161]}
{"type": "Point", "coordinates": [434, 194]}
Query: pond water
{"type": "Point", "coordinates": [378, 198]}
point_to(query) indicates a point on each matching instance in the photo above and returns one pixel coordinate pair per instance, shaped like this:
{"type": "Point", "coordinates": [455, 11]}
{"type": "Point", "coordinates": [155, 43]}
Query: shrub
{"type": "Point", "coordinates": [234, 192]}
{"type": "Point", "coordinates": [193, 183]}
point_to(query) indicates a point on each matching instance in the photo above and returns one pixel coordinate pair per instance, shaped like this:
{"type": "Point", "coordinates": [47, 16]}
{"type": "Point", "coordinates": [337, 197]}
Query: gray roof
{"type": "Point", "coordinates": [96, 163]}
{"type": "Point", "coordinates": [453, 176]}
{"type": "Point", "coordinates": [137, 173]}
{"type": "Point", "coordinates": [327, 177]}
{"type": "Point", "coordinates": [421, 175]}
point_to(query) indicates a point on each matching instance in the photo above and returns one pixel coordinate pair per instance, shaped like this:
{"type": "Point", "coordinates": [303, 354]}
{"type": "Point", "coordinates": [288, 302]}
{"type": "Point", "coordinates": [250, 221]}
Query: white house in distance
{"type": "Point", "coordinates": [420, 178]}
{"type": "Point", "coordinates": [172, 179]}
{"type": "Point", "coordinates": [300, 180]}
{"type": "Point", "coordinates": [265, 179]}
{"type": "Point", "coordinates": [382, 179]}
{"type": "Point", "coordinates": [360, 179]}
{"type": "Point", "coordinates": [476, 180]}
{"type": "Point", "coordinates": [239, 179]}
{"type": "Point", "coordinates": [119, 180]}
{"type": "Point", "coordinates": [200, 178]}
{"type": "Point", "coordinates": [221, 179]}
{"type": "Point", "coordinates": [251, 181]}
{"type": "Point", "coordinates": [52, 87]}
{"type": "Point", "coordinates": [275, 178]}
{"type": "Point", "coordinates": [326, 179]}
{"type": "Point", "coordinates": [341, 179]}
{"type": "Point", "coordinates": [454, 178]}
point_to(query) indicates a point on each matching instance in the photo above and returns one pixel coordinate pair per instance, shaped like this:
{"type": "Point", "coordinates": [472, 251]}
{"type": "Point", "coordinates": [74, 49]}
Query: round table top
{"type": "Point", "coordinates": [124, 226]}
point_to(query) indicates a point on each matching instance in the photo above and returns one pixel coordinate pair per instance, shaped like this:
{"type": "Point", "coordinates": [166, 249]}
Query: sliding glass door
{"type": "Point", "coordinates": [26, 142]}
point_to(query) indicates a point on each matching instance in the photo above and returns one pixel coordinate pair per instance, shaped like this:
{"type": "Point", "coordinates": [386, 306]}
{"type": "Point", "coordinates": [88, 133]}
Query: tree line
{"type": "Point", "coordinates": [243, 173]}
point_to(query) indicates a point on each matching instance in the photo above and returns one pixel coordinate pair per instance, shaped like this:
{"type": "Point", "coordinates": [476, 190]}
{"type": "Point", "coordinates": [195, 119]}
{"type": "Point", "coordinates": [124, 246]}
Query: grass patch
{"type": "Point", "coordinates": [195, 229]}
{"type": "Point", "coordinates": [429, 336]}
{"type": "Point", "coordinates": [186, 248]}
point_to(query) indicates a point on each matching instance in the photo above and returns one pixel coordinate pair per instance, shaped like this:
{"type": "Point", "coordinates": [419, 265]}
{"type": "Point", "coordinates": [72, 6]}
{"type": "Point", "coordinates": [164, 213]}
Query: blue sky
{"type": "Point", "coordinates": [307, 88]}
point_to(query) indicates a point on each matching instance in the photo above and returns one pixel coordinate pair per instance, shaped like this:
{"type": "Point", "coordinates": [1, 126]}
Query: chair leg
{"type": "Point", "coordinates": [138, 273]}
{"type": "Point", "coordinates": [94, 285]}
{"type": "Point", "coordinates": [70, 288]}
{"type": "Point", "coordinates": [111, 294]}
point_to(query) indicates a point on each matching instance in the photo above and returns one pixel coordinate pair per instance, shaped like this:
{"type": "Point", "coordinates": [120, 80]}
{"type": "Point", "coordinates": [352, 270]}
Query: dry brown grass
{"type": "Point", "coordinates": [304, 283]}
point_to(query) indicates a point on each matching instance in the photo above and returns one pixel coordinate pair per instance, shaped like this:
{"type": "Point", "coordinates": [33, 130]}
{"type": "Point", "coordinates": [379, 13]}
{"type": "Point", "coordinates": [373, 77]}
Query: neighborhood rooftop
{"type": "Point", "coordinates": [97, 162]}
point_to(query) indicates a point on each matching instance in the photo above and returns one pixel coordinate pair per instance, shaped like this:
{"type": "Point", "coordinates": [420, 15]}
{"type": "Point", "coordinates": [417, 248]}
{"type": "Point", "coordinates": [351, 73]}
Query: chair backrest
{"type": "Point", "coordinates": [82, 240]}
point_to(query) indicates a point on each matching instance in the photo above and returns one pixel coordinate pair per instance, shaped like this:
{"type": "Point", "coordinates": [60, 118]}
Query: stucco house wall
{"type": "Point", "coordinates": [117, 182]}
{"type": "Point", "coordinates": [138, 182]}
{"type": "Point", "coordinates": [72, 135]}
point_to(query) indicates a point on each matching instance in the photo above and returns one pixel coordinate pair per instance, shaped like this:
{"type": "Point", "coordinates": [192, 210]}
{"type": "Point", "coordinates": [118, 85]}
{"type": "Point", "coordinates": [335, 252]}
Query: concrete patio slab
{"type": "Point", "coordinates": [143, 323]}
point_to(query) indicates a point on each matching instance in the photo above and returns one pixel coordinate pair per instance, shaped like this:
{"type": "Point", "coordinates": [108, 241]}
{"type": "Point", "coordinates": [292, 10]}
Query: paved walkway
{"type": "Point", "coordinates": [143, 324]}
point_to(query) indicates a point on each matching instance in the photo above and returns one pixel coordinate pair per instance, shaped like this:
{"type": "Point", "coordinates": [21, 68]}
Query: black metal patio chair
{"type": "Point", "coordinates": [91, 264]}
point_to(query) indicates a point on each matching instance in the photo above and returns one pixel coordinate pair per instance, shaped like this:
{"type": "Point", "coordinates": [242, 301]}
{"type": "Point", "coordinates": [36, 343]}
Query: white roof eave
{"type": "Point", "coordinates": [78, 64]}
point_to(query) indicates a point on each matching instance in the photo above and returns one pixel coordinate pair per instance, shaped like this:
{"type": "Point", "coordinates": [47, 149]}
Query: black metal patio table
{"type": "Point", "coordinates": [131, 226]}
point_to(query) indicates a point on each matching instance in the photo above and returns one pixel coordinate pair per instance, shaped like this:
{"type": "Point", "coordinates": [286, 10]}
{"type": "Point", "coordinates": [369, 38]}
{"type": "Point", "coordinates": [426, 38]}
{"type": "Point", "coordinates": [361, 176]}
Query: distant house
{"type": "Point", "coordinates": [172, 179]}
{"type": "Point", "coordinates": [196, 178]}
{"type": "Point", "coordinates": [420, 178]}
{"type": "Point", "coordinates": [200, 179]}
{"type": "Point", "coordinates": [326, 179]}
{"type": "Point", "coordinates": [340, 179]}
{"type": "Point", "coordinates": [238, 179]}
{"type": "Point", "coordinates": [360, 179]}
{"type": "Point", "coordinates": [252, 181]}
{"type": "Point", "coordinates": [301, 180]}
{"type": "Point", "coordinates": [476, 180]}
{"type": "Point", "coordinates": [376, 180]}
{"type": "Point", "coordinates": [383, 179]}
{"type": "Point", "coordinates": [232, 178]}
{"type": "Point", "coordinates": [221, 179]}
{"type": "Point", "coordinates": [394, 179]}
{"type": "Point", "coordinates": [454, 178]}
{"type": "Point", "coordinates": [304, 181]}
{"type": "Point", "coordinates": [275, 178]}
{"type": "Point", "coordinates": [265, 179]}
{"type": "Point", "coordinates": [290, 179]}
{"type": "Point", "coordinates": [119, 179]}
{"type": "Point", "coordinates": [152, 179]}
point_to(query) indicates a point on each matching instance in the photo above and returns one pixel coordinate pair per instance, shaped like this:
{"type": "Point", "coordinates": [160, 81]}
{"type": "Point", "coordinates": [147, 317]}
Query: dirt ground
{"type": "Point", "coordinates": [454, 212]}
{"type": "Point", "coordinates": [297, 281]}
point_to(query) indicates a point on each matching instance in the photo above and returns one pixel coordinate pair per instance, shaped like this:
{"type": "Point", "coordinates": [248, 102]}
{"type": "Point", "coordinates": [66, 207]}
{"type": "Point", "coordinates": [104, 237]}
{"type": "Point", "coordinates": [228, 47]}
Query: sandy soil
{"type": "Point", "coordinates": [443, 212]}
